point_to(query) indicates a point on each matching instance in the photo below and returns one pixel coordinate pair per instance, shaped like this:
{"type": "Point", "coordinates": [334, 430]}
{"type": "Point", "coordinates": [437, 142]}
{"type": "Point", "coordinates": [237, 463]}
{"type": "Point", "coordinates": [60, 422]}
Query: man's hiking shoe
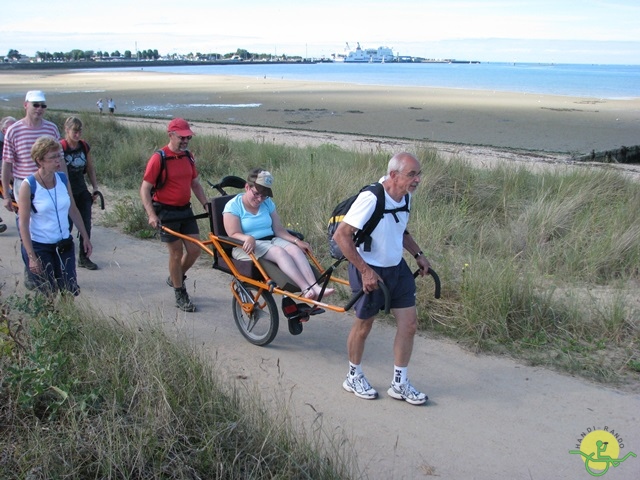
{"type": "Point", "coordinates": [359, 386]}
{"type": "Point", "coordinates": [85, 262]}
{"type": "Point", "coordinates": [170, 283]}
{"type": "Point", "coordinates": [183, 302]}
{"type": "Point", "coordinates": [408, 393]}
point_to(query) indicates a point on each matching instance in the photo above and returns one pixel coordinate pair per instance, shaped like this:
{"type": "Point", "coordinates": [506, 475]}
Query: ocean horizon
{"type": "Point", "coordinates": [573, 80]}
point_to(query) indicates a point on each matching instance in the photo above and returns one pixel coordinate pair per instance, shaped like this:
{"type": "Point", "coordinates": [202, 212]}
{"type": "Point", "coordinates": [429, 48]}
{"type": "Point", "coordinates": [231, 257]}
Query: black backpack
{"type": "Point", "coordinates": [162, 176]}
{"type": "Point", "coordinates": [363, 235]}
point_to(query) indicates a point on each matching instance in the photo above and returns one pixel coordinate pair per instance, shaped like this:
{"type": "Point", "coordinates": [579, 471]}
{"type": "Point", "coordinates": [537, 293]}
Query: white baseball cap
{"type": "Point", "coordinates": [35, 96]}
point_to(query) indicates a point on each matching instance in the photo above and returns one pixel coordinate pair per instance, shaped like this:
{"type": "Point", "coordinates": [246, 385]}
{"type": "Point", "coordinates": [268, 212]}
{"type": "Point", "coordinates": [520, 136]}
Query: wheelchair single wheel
{"type": "Point", "coordinates": [260, 324]}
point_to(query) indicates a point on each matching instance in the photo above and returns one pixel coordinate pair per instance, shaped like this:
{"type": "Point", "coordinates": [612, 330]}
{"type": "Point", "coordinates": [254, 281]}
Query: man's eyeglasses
{"type": "Point", "coordinates": [183, 138]}
{"type": "Point", "coordinates": [39, 105]}
{"type": "Point", "coordinates": [411, 174]}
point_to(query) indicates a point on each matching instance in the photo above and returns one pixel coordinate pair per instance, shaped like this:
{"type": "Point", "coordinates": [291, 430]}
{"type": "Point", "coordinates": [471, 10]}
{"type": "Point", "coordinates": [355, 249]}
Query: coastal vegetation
{"type": "Point", "coordinates": [79, 55]}
{"type": "Point", "coordinates": [85, 396]}
{"type": "Point", "coordinates": [539, 265]}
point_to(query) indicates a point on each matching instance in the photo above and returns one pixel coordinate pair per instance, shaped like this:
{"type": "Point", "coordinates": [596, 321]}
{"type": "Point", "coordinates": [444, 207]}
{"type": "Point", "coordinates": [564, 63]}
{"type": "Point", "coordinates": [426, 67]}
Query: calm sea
{"type": "Point", "coordinates": [596, 81]}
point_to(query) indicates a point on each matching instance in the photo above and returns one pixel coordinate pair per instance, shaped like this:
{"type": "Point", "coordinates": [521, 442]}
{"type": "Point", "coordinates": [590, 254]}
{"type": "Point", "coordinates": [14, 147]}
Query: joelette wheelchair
{"type": "Point", "coordinates": [255, 282]}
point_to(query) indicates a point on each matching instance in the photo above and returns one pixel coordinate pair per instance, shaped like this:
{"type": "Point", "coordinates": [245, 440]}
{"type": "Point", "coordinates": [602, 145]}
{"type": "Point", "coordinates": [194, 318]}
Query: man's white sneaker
{"type": "Point", "coordinates": [359, 386]}
{"type": "Point", "coordinates": [407, 392]}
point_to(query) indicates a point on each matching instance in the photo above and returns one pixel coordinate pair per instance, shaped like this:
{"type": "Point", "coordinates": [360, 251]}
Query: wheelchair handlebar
{"type": "Point", "coordinates": [436, 280]}
{"type": "Point", "coordinates": [101, 197]}
{"type": "Point", "coordinates": [387, 295]}
{"type": "Point", "coordinates": [385, 291]}
{"type": "Point", "coordinates": [228, 181]}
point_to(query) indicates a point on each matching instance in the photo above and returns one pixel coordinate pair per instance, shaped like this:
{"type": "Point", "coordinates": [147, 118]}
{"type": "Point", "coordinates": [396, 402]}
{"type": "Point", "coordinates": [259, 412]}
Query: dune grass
{"type": "Point", "coordinates": [542, 265]}
{"type": "Point", "coordinates": [84, 397]}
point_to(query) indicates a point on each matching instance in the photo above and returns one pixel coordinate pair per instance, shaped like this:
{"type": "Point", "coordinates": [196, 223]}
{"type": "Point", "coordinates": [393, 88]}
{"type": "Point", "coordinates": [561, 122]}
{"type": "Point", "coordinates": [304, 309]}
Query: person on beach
{"type": "Point", "coordinates": [45, 202]}
{"type": "Point", "coordinates": [17, 163]}
{"type": "Point", "coordinates": [166, 188]}
{"type": "Point", "coordinates": [251, 217]}
{"type": "Point", "coordinates": [78, 159]}
{"type": "Point", "coordinates": [5, 123]}
{"type": "Point", "coordinates": [384, 262]}
{"type": "Point", "coordinates": [100, 105]}
{"type": "Point", "coordinates": [112, 106]}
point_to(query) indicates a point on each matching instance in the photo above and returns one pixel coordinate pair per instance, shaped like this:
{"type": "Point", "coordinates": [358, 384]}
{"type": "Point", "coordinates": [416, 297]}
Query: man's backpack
{"type": "Point", "coordinates": [363, 235]}
{"type": "Point", "coordinates": [162, 175]}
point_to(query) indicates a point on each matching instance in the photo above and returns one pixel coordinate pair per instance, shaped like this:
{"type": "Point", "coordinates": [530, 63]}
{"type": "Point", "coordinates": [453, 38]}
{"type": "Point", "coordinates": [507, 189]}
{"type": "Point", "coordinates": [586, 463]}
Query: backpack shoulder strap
{"type": "Point", "coordinates": [162, 176]}
{"type": "Point", "coordinates": [378, 190]}
{"type": "Point", "coordinates": [33, 185]}
{"type": "Point", "coordinates": [83, 145]}
{"type": "Point", "coordinates": [63, 177]}
{"type": "Point", "coordinates": [163, 167]}
{"type": "Point", "coordinates": [364, 235]}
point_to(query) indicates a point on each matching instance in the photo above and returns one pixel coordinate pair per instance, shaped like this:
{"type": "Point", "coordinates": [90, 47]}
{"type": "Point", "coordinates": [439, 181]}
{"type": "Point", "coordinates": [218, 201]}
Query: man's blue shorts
{"type": "Point", "coordinates": [400, 282]}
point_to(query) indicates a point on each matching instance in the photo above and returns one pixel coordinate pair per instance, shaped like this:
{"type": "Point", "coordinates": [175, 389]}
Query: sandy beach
{"type": "Point", "coordinates": [544, 123]}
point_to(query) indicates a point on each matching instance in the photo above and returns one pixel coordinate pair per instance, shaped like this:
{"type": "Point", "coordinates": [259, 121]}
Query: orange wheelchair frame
{"type": "Point", "coordinates": [13, 201]}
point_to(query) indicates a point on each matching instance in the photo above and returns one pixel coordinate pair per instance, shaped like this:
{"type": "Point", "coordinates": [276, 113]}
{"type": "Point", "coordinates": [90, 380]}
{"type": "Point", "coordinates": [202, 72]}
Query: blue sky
{"type": "Point", "coordinates": [558, 31]}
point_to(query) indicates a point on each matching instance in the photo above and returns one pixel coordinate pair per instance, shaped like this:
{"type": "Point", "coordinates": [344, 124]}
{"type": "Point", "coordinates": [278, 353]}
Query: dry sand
{"type": "Point", "coordinates": [488, 417]}
{"type": "Point", "coordinates": [461, 117]}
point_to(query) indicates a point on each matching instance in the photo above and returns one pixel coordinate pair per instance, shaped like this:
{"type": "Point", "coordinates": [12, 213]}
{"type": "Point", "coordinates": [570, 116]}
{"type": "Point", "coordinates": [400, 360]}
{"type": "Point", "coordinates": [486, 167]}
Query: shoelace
{"type": "Point", "coordinates": [362, 382]}
{"type": "Point", "coordinates": [410, 390]}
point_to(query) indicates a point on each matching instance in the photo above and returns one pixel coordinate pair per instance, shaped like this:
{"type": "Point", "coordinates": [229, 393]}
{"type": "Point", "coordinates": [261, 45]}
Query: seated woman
{"type": "Point", "coordinates": [251, 217]}
{"type": "Point", "coordinates": [45, 202]}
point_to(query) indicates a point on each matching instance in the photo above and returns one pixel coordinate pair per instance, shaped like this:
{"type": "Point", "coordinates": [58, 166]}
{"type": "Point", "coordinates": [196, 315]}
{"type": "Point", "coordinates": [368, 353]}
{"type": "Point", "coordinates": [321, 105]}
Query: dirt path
{"type": "Point", "coordinates": [488, 417]}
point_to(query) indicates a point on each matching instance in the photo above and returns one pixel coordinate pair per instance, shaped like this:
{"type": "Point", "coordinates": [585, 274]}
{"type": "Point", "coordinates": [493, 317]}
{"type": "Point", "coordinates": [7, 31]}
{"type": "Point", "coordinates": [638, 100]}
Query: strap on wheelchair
{"type": "Point", "coordinates": [196, 217]}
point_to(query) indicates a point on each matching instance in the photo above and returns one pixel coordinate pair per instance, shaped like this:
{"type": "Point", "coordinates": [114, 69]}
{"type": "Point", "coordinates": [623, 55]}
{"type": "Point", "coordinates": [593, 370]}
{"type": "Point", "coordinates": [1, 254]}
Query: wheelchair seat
{"type": "Point", "coordinates": [244, 267]}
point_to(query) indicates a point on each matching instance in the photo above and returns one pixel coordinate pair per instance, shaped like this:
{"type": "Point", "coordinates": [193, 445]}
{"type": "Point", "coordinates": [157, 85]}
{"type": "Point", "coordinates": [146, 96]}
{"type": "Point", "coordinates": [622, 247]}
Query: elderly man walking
{"type": "Point", "coordinates": [381, 260]}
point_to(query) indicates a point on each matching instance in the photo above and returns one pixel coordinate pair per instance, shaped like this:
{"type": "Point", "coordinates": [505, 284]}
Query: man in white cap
{"type": "Point", "coordinates": [18, 140]}
{"type": "Point", "coordinates": [17, 163]}
{"type": "Point", "coordinates": [166, 188]}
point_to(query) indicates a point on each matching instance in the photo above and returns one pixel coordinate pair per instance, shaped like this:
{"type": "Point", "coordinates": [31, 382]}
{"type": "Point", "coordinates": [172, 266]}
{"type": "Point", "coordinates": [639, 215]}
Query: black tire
{"type": "Point", "coordinates": [261, 327]}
